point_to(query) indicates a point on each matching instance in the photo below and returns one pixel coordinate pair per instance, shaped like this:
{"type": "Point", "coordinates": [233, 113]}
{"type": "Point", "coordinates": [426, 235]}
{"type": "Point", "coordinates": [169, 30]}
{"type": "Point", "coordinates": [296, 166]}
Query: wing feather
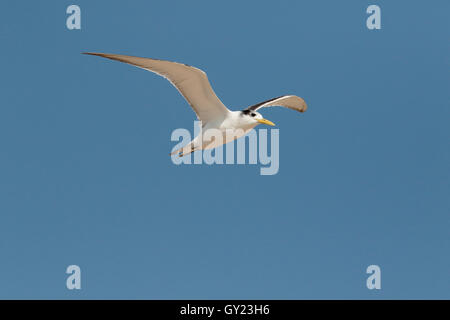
{"type": "Point", "coordinates": [291, 102]}
{"type": "Point", "coordinates": [192, 83]}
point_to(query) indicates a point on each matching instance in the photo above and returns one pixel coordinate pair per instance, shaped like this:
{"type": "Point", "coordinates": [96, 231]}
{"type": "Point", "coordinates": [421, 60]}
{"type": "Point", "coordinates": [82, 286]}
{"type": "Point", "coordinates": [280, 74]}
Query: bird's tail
{"type": "Point", "coordinates": [181, 152]}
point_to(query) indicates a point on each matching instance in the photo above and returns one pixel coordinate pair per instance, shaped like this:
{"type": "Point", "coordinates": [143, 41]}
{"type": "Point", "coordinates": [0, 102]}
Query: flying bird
{"type": "Point", "coordinates": [194, 86]}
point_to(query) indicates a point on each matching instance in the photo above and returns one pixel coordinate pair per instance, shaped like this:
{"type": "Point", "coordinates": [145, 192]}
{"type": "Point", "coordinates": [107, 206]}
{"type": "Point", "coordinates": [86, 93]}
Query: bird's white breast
{"type": "Point", "coordinates": [232, 127]}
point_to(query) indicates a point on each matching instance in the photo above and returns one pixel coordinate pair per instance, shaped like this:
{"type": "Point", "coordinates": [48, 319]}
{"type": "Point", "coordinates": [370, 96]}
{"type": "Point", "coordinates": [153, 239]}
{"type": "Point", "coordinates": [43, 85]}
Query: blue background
{"type": "Point", "coordinates": [85, 176]}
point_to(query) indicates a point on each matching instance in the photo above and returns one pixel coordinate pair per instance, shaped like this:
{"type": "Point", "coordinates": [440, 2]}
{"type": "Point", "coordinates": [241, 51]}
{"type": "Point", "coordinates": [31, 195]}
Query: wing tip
{"type": "Point", "coordinates": [94, 54]}
{"type": "Point", "coordinates": [303, 106]}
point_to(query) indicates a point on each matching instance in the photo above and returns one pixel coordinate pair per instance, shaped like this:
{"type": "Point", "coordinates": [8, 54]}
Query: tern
{"type": "Point", "coordinates": [194, 86]}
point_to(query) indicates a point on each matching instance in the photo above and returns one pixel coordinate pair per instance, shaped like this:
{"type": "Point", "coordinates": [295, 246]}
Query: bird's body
{"type": "Point", "coordinates": [231, 127]}
{"type": "Point", "coordinates": [219, 124]}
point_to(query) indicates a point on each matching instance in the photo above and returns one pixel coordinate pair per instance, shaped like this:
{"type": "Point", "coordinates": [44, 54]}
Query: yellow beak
{"type": "Point", "coordinates": [265, 121]}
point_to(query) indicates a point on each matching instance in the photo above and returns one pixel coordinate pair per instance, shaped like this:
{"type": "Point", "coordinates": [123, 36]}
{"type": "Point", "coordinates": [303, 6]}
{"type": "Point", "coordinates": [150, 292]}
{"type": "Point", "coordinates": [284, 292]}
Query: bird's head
{"type": "Point", "coordinates": [255, 117]}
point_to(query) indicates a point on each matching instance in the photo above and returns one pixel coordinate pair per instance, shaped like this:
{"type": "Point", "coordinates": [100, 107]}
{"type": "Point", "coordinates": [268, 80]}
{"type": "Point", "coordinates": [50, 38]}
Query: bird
{"type": "Point", "coordinates": [194, 86]}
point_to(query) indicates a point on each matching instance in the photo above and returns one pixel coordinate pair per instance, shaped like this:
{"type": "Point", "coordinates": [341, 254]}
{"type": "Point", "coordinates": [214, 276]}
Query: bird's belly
{"type": "Point", "coordinates": [216, 137]}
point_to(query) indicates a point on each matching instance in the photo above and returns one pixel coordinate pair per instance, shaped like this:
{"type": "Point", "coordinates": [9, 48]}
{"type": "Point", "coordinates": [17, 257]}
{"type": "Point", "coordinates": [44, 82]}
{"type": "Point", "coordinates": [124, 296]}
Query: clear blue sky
{"type": "Point", "coordinates": [85, 176]}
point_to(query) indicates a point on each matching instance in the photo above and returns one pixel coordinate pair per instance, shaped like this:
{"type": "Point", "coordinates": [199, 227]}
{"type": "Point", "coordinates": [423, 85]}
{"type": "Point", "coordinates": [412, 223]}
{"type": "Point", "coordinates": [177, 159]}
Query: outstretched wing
{"type": "Point", "coordinates": [191, 82]}
{"type": "Point", "coordinates": [291, 102]}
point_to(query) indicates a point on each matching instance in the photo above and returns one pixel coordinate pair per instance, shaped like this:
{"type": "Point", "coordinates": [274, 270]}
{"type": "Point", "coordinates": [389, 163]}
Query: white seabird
{"type": "Point", "coordinates": [194, 86]}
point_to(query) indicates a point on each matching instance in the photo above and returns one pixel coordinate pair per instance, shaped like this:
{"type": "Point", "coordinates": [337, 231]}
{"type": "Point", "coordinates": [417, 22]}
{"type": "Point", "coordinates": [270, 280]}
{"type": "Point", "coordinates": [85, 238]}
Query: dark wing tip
{"type": "Point", "coordinates": [304, 107]}
{"type": "Point", "coordinates": [94, 54]}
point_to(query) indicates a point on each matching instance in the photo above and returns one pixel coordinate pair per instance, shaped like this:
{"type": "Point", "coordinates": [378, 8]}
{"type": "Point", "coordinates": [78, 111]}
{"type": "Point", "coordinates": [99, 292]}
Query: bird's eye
{"type": "Point", "coordinates": [253, 114]}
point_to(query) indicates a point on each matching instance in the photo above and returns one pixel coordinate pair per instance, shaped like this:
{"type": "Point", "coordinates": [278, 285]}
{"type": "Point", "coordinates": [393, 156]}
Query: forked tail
{"type": "Point", "coordinates": [184, 151]}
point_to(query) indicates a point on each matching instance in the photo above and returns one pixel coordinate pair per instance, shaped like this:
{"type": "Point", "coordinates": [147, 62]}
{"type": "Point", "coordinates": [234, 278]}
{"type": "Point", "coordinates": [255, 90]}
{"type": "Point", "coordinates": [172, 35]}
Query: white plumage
{"type": "Point", "coordinates": [193, 84]}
